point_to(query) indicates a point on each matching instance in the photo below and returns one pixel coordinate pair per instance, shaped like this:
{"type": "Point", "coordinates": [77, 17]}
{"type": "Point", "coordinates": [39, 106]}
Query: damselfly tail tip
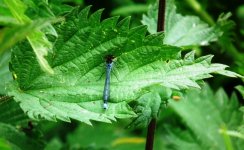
{"type": "Point", "coordinates": [105, 105]}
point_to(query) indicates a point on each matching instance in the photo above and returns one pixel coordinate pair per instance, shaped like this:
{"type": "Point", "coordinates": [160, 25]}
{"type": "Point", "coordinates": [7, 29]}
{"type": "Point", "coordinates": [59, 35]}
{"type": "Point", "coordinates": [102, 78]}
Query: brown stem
{"type": "Point", "coordinates": [152, 125]}
{"type": "Point", "coordinates": [150, 134]}
{"type": "Point", "coordinates": [161, 15]}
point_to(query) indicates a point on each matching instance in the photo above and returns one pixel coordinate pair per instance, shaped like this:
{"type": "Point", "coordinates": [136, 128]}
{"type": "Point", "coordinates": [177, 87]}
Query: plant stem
{"type": "Point", "coordinates": [152, 125]}
{"type": "Point", "coordinates": [161, 15]}
{"type": "Point", "coordinates": [227, 139]}
{"type": "Point", "coordinates": [150, 134]}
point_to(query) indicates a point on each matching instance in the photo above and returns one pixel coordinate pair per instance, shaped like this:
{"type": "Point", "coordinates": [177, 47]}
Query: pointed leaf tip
{"type": "Point", "coordinates": [124, 24]}
{"type": "Point", "coordinates": [95, 18]}
{"type": "Point", "coordinates": [85, 12]}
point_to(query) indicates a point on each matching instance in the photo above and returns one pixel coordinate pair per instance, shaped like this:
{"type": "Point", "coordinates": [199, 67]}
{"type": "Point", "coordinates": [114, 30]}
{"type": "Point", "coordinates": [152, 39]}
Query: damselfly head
{"type": "Point", "coordinates": [109, 59]}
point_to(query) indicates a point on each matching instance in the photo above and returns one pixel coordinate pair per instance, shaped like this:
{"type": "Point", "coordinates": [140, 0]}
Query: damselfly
{"type": "Point", "coordinates": [106, 91]}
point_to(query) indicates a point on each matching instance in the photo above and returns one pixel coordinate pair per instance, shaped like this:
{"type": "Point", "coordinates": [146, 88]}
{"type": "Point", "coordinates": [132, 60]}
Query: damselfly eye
{"type": "Point", "coordinates": [109, 58]}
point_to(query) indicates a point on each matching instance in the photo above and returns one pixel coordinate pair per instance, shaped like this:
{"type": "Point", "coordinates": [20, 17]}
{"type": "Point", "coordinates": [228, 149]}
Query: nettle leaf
{"type": "Point", "coordinates": [75, 90]}
{"type": "Point", "coordinates": [151, 18]}
{"type": "Point", "coordinates": [181, 30]}
{"type": "Point", "coordinates": [147, 108]}
{"type": "Point", "coordinates": [40, 9]}
{"type": "Point", "coordinates": [6, 17]}
{"type": "Point", "coordinates": [148, 105]}
{"type": "Point", "coordinates": [11, 35]}
{"type": "Point", "coordinates": [187, 30]}
{"type": "Point", "coordinates": [37, 38]}
{"type": "Point", "coordinates": [181, 140]}
{"type": "Point", "coordinates": [210, 113]}
{"type": "Point", "coordinates": [16, 139]}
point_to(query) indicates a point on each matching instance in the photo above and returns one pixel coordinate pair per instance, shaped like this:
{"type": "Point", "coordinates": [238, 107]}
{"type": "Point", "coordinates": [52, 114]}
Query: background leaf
{"type": "Point", "coordinates": [182, 30]}
{"type": "Point", "coordinates": [212, 112]}
{"type": "Point", "coordinates": [117, 140]}
{"type": "Point", "coordinates": [151, 18]}
{"type": "Point", "coordinates": [126, 10]}
{"type": "Point", "coordinates": [241, 90]}
{"type": "Point", "coordinates": [11, 35]}
{"type": "Point", "coordinates": [4, 145]}
{"type": "Point", "coordinates": [37, 38]}
{"type": "Point", "coordinates": [54, 144]}
{"type": "Point", "coordinates": [6, 17]}
{"type": "Point", "coordinates": [5, 74]}
{"type": "Point", "coordinates": [16, 139]}
{"type": "Point", "coordinates": [11, 113]}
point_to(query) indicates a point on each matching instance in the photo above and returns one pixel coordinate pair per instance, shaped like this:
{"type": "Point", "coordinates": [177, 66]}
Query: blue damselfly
{"type": "Point", "coordinates": [106, 91]}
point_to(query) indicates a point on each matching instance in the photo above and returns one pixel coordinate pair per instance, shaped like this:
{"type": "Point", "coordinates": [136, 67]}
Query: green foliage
{"type": "Point", "coordinates": [75, 90]}
{"type": "Point", "coordinates": [11, 113]}
{"type": "Point", "coordinates": [147, 107]}
{"type": "Point", "coordinates": [74, 76]}
{"type": "Point", "coordinates": [54, 144]}
{"type": "Point", "coordinates": [241, 90]}
{"type": "Point", "coordinates": [126, 10]}
{"type": "Point", "coordinates": [11, 35]}
{"type": "Point", "coordinates": [5, 74]}
{"type": "Point", "coordinates": [35, 36]}
{"type": "Point", "coordinates": [81, 138]}
{"type": "Point", "coordinates": [182, 30]}
{"type": "Point", "coordinates": [151, 18]}
{"type": "Point", "coordinates": [16, 139]}
{"type": "Point", "coordinates": [4, 145]}
{"type": "Point", "coordinates": [59, 71]}
{"type": "Point", "coordinates": [6, 17]}
{"type": "Point", "coordinates": [210, 113]}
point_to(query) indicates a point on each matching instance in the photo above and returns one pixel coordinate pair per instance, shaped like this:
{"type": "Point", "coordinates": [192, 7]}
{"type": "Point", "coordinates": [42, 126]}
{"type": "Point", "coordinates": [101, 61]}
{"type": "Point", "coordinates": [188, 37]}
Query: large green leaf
{"type": "Point", "coordinates": [181, 30]}
{"type": "Point", "coordinates": [75, 90]}
{"type": "Point", "coordinates": [206, 114]}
